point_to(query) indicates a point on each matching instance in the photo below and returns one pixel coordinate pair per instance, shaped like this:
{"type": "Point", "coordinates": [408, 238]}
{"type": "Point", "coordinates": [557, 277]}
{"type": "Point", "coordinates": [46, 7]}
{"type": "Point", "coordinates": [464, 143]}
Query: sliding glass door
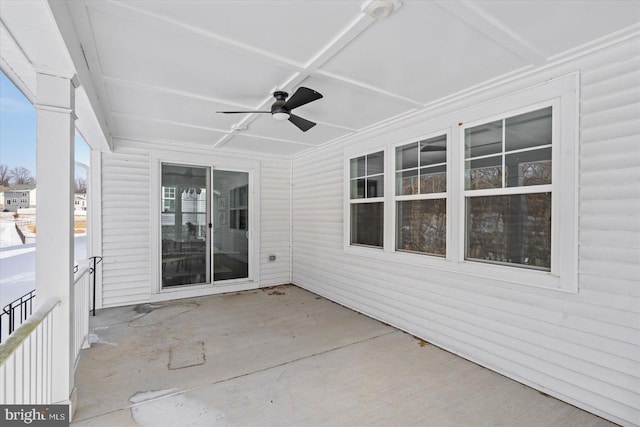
{"type": "Point", "coordinates": [204, 225]}
{"type": "Point", "coordinates": [184, 221]}
{"type": "Point", "coordinates": [231, 225]}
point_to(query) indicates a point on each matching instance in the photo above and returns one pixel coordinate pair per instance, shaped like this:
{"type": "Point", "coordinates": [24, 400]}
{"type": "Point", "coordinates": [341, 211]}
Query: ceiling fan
{"type": "Point", "coordinates": [281, 108]}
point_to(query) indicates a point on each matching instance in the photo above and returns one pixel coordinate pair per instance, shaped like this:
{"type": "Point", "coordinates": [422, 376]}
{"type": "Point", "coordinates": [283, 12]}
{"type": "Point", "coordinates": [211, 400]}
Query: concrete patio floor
{"type": "Point", "coordinates": [286, 357]}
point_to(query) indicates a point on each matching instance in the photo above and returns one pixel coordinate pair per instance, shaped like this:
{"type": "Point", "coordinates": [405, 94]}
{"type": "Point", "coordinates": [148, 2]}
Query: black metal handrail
{"type": "Point", "coordinates": [95, 261]}
{"type": "Point", "coordinates": [21, 307]}
{"type": "Point", "coordinates": [18, 310]}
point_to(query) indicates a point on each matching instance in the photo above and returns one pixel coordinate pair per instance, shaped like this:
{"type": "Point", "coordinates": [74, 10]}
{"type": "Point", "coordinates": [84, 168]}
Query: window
{"type": "Point", "coordinates": [421, 191]}
{"type": "Point", "coordinates": [238, 208]}
{"type": "Point", "coordinates": [507, 189]}
{"type": "Point", "coordinates": [489, 190]}
{"type": "Point", "coordinates": [366, 197]}
{"type": "Point", "coordinates": [168, 199]}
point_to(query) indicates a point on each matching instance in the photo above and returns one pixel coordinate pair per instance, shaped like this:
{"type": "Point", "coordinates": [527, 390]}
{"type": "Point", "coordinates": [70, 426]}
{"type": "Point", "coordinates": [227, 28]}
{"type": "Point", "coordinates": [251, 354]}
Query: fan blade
{"type": "Point", "coordinates": [303, 124]}
{"type": "Point", "coordinates": [303, 95]}
{"type": "Point", "coordinates": [242, 112]}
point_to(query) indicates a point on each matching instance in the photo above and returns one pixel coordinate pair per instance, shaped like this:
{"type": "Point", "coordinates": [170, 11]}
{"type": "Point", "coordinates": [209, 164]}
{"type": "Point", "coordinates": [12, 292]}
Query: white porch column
{"type": "Point", "coordinates": [54, 242]}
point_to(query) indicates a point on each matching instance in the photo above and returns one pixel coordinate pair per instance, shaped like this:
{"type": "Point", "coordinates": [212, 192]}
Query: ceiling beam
{"type": "Point", "coordinates": [165, 121]}
{"type": "Point", "coordinates": [473, 15]}
{"type": "Point", "coordinates": [155, 88]}
{"type": "Point", "coordinates": [222, 41]}
{"type": "Point", "coordinates": [358, 25]}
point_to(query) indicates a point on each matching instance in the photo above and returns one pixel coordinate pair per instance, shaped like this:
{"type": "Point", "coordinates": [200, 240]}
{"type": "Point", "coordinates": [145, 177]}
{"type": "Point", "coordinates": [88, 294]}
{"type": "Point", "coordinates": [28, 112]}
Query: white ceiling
{"type": "Point", "coordinates": [161, 69]}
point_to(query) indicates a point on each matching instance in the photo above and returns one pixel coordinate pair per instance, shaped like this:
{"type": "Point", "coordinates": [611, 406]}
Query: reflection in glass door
{"type": "Point", "coordinates": [184, 218]}
{"type": "Point", "coordinates": [231, 225]}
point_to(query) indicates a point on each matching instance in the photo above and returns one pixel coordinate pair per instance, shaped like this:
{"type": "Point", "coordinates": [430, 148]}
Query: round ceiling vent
{"type": "Point", "coordinates": [380, 9]}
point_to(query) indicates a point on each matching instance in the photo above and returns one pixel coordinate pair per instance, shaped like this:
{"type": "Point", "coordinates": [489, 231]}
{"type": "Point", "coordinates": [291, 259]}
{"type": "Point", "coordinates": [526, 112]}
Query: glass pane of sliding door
{"type": "Point", "coordinates": [230, 225]}
{"type": "Point", "coordinates": [185, 217]}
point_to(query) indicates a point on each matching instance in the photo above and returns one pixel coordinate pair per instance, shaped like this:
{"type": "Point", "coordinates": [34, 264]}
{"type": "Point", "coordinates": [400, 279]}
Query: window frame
{"type": "Point", "coordinates": [442, 195]}
{"type": "Point", "coordinates": [562, 94]}
{"type": "Point", "coordinates": [368, 200]}
{"type": "Point", "coordinates": [519, 190]}
{"type": "Point", "coordinates": [202, 159]}
{"type": "Point", "coordinates": [168, 195]}
{"type": "Point", "coordinates": [348, 201]}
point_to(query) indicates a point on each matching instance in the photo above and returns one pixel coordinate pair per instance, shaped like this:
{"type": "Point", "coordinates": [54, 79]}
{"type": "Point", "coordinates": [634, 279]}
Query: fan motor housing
{"type": "Point", "coordinates": [281, 98]}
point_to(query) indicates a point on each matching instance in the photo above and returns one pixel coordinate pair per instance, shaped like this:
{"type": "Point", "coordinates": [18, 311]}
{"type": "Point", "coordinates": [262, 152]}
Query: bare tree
{"type": "Point", "coordinates": [5, 177]}
{"type": "Point", "coordinates": [80, 186]}
{"type": "Point", "coordinates": [21, 175]}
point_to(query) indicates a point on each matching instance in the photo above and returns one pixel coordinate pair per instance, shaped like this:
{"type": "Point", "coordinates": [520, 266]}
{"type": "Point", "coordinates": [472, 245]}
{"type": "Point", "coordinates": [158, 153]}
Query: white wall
{"type": "Point", "coordinates": [126, 233]}
{"type": "Point", "coordinates": [583, 347]}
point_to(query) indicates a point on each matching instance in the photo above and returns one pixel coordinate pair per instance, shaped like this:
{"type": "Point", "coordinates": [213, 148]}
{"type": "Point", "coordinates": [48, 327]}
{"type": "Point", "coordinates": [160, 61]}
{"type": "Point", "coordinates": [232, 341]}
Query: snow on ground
{"type": "Point", "coordinates": [17, 250]}
{"type": "Point", "coordinates": [17, 272]}
{"type": "Point", "coordinates": [8, 234]}
{"type": "Point", "coordinates": [18, 264]}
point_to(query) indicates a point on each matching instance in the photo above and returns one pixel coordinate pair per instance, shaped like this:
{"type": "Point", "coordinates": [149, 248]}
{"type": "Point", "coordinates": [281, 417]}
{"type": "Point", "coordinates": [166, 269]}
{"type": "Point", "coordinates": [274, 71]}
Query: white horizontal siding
{"type": "Point", "coordinates": [584, 347]}
{"type": "Point", "coordinates": [125, 228]}
{"type": "Point", "coordinates": [126, 247]}
{"type": "Point", "coordinates": [275, 218]}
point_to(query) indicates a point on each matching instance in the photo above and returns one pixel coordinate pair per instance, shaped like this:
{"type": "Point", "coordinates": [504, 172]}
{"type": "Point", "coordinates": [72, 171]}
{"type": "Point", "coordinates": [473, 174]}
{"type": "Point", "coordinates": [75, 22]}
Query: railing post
{"type": "Point", "coordinates": [11, 322]}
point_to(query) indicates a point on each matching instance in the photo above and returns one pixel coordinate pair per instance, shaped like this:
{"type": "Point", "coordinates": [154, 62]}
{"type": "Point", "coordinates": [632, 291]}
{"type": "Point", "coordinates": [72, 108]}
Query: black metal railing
{"type": "Point", "coordinates": [95, 260]}
{"type": "Point", "coordinates": [18, 310]}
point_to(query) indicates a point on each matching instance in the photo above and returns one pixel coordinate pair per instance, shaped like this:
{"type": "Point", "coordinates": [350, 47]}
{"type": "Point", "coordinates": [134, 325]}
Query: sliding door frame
{"type": "Point", "coordinates": [214, 162]}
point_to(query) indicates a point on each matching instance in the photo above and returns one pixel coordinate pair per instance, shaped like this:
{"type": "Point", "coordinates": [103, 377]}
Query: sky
{"type": "Point", "coordinates": [18, 131]}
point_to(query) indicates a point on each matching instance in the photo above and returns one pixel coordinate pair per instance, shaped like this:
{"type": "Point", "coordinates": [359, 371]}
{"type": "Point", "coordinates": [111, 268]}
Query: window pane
{"type": "Point", "coordinates": [375, 163]}
{"type": "Point", "coordinates": [244, 195]}
{"type": "Point", "coordinates": [407, 182]}
{"type": "Point", "coordinates": [529, 168]}
{"type": "Point", "coordinates": [357, 167]}
{"type": "Point", "coordinates": [242, 219]}
{"type": "Point", "coordinates": [422, 226]}
{"type": "Point", "coordinates": [433, 151]}
{"type": "Point", "coordinates": [169, 206]}
{"type": "Point", "coordinates": [433, 180]}
{"type": "Point", "coordinates": [184, 225]}
{"type": "Point", "coordinates": [483, 140]}
{"type": "Point", "coordinates": [357, 188]}
{"type": "Point", "coordinates": [375, 186]}
{"type": "Point", "coordinates": [510, 229]}
{"type": "Point", "coordinates": [407, 156]}
{"type": "Point", "coordinates": [483, 173]}
{"type": "Point", "coordinates": [366, 224]}
{"type": "Point", "coordinates": [528, 130]}
{"type": "Point", "coordinates": [230, 240]}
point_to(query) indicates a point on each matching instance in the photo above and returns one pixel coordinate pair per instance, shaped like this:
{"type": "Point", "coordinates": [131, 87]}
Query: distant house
{"type": "Point", "coordinates": [2, 190]}
{"type": "Point", "coordinates": [80, 202]}
{"type": "Point", "coordinates": [20, 196]}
